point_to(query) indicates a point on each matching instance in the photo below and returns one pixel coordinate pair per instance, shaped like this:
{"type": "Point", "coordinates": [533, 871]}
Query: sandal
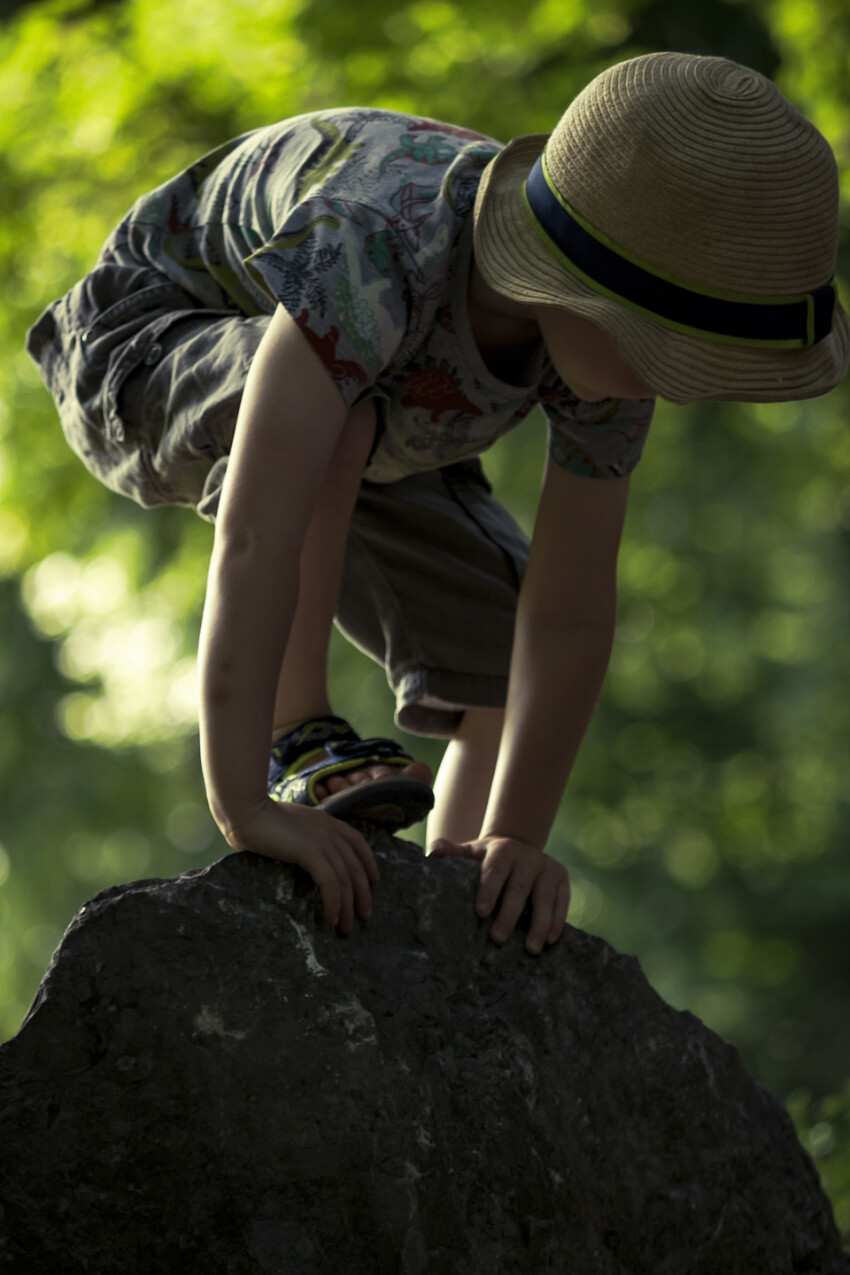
{"type": "Point", "coordinates": [392, 801]}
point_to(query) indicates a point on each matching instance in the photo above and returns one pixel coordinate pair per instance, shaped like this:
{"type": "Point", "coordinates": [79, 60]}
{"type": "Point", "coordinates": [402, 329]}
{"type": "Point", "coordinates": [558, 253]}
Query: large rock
{"type": "Point", "coordinates": [210, 1080]}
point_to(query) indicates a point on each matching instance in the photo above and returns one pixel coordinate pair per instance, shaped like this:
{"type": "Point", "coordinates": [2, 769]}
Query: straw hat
{"type": "Point", "coordinates": [684, 206]}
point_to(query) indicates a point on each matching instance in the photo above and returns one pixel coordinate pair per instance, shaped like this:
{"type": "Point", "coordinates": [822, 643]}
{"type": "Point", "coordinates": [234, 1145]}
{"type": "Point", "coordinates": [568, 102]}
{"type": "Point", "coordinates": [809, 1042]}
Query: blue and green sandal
{"type": "Point", "coordinates": [394, 801]}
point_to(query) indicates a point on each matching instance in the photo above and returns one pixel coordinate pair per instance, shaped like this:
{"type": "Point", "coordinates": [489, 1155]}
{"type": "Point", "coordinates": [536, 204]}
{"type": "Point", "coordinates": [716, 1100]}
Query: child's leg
{"type": "Point", "coordinates": [302, 691]}
{"type": "Point", "coordinates": [462, 787]}
{"type": "Point", "coordinates": [430, 589]}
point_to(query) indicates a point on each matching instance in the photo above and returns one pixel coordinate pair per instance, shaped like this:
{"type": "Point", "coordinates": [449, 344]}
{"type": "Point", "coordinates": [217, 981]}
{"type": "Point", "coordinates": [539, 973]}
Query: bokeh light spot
{"type": "Point", "coordinates": [587, 902]}
{"type": "Point", "coordinates": [691, 857]}
{"type": "Point", "coordinates": [190, 827]}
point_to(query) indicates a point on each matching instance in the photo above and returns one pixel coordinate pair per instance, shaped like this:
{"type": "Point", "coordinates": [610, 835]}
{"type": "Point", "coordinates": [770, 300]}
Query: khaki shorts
{"type": "Point", "coordinates": [147, 383]}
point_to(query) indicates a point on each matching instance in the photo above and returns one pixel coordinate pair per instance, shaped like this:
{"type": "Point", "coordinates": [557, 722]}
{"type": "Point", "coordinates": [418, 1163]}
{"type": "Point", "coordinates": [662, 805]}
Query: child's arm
{"type": "Point", "coordinates": [562, 644]}
{"type": "Point", "coordinates": [290, 421]}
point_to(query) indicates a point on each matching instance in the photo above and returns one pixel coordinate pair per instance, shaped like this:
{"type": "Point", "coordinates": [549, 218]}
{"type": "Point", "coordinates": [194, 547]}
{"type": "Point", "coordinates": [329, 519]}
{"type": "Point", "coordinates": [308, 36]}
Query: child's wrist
{"type": "Point", "coordinates": [233, 815]}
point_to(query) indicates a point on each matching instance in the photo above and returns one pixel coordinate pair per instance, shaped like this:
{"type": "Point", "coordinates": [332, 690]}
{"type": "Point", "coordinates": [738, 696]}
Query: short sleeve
{"type": "Point", "coordinates": [600, 440]}
{"type": "Point", "coordinates": [339, 270]}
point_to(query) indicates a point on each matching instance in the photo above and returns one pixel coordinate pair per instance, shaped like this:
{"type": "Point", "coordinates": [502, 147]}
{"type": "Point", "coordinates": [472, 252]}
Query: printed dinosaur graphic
{"type": "Point", "coordinates": [325, 347]}
{"type": "Point", "coordinates": [436, 390]}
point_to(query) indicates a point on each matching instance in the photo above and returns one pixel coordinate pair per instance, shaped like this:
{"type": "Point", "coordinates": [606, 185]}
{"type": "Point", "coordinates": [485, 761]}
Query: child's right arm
{"type": "Point", "coordinates": [289, 423]}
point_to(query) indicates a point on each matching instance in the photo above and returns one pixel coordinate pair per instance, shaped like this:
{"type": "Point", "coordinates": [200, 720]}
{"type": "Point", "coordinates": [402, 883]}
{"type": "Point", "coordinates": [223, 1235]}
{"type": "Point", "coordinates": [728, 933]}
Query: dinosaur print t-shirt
{"type": "Point", "coordinates": [359, 222]}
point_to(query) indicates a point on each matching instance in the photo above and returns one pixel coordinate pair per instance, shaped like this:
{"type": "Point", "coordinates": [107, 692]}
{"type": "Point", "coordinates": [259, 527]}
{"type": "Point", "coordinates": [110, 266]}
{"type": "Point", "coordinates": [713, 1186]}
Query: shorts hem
{"type": "Point", "coordinates": [432, 702]}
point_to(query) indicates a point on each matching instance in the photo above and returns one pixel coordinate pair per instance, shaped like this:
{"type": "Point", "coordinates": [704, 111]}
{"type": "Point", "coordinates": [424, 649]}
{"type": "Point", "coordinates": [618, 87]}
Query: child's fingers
{"type": "Point", "coordinates": [327, 879]}
{"type": "Point", "coordinates": [337, 856]}
{"type": "Point", "coordinates": [520, 885]}
{"type": "Point", "coordinates": [362, 849]}
{"type": "Point", "coordinates": [345, 915]}
{"type": "Point", "coordinates": [495, 871]}
{"type": "Point", "coordinates": [544, 909]}
{"type": "Point", "coordinates": [518, 872]}
{"type": "Point", "coordinates": [360, 882]}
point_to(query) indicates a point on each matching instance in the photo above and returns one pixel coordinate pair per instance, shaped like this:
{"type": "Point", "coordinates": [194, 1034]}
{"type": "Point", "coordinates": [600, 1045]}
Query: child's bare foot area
{"type": "Point", "coordinates": [338, 783]}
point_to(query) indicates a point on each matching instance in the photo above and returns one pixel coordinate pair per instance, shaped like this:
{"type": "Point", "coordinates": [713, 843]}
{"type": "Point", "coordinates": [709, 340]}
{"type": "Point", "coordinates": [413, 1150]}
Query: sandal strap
{"type": "Point", "coordinates": [375, 749]}
{"type": "Point", "coordinates": [341, 749]}
{"type": "Point", "coordinates": [289, 750]}
{"type": "Point", "coordinates": [301, 786]}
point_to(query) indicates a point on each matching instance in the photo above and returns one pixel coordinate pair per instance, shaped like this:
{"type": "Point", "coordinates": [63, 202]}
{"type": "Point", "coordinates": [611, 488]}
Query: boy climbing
{"type": "Point", "coordinates": [312, 333]}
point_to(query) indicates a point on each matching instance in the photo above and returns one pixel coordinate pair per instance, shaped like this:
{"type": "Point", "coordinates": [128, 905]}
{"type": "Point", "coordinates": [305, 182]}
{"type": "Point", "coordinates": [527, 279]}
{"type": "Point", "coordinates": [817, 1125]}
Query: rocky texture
{"type": "Point", "coordinates": [210, 1080]}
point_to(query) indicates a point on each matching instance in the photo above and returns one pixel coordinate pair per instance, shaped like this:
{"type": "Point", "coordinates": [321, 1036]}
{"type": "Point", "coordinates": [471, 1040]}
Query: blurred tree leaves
{"type": "Point", "coordinates": [707, 819]}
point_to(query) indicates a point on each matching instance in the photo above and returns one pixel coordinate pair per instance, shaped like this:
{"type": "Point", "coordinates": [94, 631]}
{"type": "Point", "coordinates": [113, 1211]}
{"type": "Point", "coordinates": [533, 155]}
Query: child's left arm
{"type": "Point", "coordinates": [562, 644]}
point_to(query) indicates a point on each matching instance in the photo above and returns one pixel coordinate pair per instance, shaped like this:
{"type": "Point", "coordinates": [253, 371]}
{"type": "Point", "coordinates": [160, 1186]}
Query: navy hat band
{"type": "Point", "coordinates": [799, 321]}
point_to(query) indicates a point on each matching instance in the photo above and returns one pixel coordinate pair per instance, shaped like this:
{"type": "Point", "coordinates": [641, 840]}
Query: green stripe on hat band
{"type": "Point", "coordinates": [786, 322]}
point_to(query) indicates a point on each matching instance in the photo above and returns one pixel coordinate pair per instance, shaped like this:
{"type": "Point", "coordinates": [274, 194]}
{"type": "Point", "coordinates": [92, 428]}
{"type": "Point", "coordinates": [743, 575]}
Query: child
{"type": "Point", "coordinates": [312, 333]}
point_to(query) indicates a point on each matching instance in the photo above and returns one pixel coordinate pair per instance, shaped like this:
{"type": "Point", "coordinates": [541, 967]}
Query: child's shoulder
{"type": "Point", "coordinates": [350, 141]}
{"type": "Point", "coordinates": [348, 118]}
{"type": "Point", "coordinates": [403, 166]}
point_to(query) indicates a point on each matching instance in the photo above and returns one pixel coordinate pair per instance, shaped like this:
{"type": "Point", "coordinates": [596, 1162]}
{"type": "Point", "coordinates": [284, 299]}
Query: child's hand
{"type": "Point", "coordinates": [337, 857]}
{"type": "Point", "coordinates": [524, 872]}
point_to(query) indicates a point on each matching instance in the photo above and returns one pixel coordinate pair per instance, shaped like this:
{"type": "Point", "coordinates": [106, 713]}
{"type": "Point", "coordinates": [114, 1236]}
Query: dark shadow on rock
{"type": "Point", "coordinates": [211, 1080]}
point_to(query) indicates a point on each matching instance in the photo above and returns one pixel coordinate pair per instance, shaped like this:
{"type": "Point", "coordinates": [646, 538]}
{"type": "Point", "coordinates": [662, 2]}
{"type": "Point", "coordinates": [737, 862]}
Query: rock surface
{"type": "Point", "coordinates": [210, 1080]}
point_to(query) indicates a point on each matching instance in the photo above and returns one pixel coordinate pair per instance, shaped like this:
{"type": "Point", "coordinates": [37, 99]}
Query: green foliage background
{"type": "Point", "coordinates": [706, 824]}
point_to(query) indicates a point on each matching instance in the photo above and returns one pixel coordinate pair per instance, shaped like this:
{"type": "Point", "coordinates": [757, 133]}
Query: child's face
{"type": "Point", "coordinates": [586, 358]}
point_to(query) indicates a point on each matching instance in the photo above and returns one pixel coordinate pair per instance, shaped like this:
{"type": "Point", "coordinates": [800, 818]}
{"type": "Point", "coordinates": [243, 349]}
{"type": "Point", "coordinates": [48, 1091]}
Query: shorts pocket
{"type": "Point", "coordinates": [85, 346]}
{"type": "Point", "coordinates": [87, 343]}
{"type": "Point", "coordinates": [125, 336]}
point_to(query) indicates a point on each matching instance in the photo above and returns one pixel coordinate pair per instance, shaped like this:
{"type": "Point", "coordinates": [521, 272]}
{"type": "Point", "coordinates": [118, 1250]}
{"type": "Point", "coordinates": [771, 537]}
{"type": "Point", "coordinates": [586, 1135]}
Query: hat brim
{"type": "Point", "coordinates": [681, 368]}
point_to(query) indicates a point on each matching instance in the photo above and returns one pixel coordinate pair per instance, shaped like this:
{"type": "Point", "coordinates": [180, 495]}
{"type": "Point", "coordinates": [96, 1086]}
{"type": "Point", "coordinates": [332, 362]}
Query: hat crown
{"type": "Point", "coordinates": [702, 170]}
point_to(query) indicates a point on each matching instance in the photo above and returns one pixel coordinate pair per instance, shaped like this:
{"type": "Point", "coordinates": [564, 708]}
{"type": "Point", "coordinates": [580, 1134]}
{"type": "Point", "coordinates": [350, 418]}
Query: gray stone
{"type": "Point", "coordinates": [211, 1080]}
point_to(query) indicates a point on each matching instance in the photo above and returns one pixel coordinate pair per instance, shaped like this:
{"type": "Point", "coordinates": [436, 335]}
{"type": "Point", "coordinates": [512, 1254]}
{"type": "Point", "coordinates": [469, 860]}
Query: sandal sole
{"type": "Point", "coordinates": [394, 803]}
